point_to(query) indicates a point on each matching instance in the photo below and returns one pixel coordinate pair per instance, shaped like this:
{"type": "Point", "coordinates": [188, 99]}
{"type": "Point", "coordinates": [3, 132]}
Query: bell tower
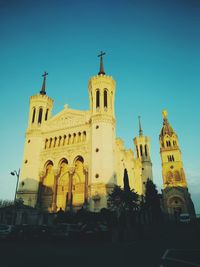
{"type": "Point", "coordinates": [40, 109]}
{"type": "Point", "coordinates": [102, 176]}
{"type": "Point", "coordinates": [175, 193]}
{"type": "Point", "coordinates": [102, 93]}
{"type": "Point", "coordinates": [142, 148]}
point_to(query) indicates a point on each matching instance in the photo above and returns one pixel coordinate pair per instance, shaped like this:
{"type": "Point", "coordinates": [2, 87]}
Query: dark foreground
{"type": "Point", "coordinates": [177, 244]}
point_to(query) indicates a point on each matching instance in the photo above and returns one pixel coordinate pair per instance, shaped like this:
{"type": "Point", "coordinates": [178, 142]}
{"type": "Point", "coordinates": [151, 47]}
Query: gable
{"type": "Point", "coordinates": [67, 118]}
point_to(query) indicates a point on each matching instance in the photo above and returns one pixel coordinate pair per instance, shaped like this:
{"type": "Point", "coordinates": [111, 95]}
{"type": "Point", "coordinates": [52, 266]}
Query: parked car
{"type": "Point", "coordinates": [31, 232]}
{"type": "Point", "coordinates": [6, 231]}
{"type": "Point", "coordinates": [184, 218]}
{"type": "Point", "coordinates": [65, 232]}
{"type": "Point", "coordinates": [94, 231]}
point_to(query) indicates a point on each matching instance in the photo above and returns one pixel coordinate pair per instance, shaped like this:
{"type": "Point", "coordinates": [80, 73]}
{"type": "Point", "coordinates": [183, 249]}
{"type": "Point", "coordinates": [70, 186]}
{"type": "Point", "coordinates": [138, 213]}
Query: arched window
{"type": "Point", "coordinates": [79, 137]}
{"type": "Point", "coordinates": [177, 176]}
{"type": "Point", "coordinates": [46, 115]}
{"type": "Point", "coordinates": [105, 97]}
{"type": "Point", "coordinates": [64, 139]}
{"type": "Point", "coordinates": [141, 152]}
{"type": "Point", "coordinates": [46, 142]}
{"type": "Point", "coordinates": [59, 140]}
{"type": "Point", "coordinates": [69, 139]}
{"type": "Point", "coordinates": [84, 136]}
{"type": "Point", "coordinates": [172, 158]}
{"type": "Point", "coordinates": [74, 138]}
{"type": "Point", "coordinates": [40, 115]}
{"type": "Point", "coordinates": [55, 139]}
{"type": "Point", "coordinates": [33, 117]}
{"type": "Point", "coordinates": [169, 177]}
{"type": "Point", "coordinates": [50, 142]}
{"type": "Point", "coordinates": [169, 143]}
{"type": "Point", "coordinates": [145, 148]}
{"type": "Point", "coordinates": [97, 99]}
{"type": "Point", "coordinates": [174, 143]}
{"type": "Point", "coordinates": [137, 151]}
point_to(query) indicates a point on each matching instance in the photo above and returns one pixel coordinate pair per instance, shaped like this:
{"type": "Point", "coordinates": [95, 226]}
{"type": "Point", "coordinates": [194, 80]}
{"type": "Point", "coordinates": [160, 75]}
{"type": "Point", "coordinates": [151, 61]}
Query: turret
{"type": "Point", "coordinates": [40, 107]}
{"type": "Point", "coordinates": [142, 148]}
{"type": "Point", "coordinates": [172, 166]}
{"type": "Point", "coordinates": [102, 91]}
{"type": "Point", "coordinates": [39, 112]}
{"type": "Point", "coordinates": [176, 198]}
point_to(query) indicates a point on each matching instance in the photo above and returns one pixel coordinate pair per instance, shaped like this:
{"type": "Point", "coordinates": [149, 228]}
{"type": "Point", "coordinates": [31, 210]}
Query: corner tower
{"type": "Point", "coordinates": [102, 177]}
{"type": "Point", "coordinates": [142, 148]}
{"type": "Point", "coordinates": [175, 194]}
{"type": "Point", "coordinates": [40, 109]}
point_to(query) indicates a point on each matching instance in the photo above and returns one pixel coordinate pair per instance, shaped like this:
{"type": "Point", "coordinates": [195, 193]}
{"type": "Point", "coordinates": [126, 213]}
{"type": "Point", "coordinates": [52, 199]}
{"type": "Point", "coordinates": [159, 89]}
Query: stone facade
{"type": "Point", "coordinates": [73, 159]}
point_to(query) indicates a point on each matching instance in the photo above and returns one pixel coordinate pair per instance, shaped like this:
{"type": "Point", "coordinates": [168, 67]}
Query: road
{"type": "Point", "coordinates": [145, 251]}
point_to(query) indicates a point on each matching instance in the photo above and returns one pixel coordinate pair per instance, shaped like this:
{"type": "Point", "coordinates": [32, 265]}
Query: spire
{"type": "Point", "coordinates": [101, 63]}
{"type": "Point", "coordinates": [42, 92]}
{"type": "Point", "coordinates": [164, 114]}
{"type": "Point", "coordinates": [140, 127]}
{"type": "Point", "coordinates": [166, 129]}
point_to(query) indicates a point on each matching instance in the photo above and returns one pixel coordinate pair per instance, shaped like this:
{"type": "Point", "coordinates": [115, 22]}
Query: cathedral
{"type": "Point", "coordinates": [73, 159]}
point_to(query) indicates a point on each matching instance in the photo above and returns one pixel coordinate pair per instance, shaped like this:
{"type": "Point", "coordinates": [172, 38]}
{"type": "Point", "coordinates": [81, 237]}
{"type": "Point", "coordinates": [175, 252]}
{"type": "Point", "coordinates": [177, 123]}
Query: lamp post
{"type": "Point", "coordinates": [15, 173]}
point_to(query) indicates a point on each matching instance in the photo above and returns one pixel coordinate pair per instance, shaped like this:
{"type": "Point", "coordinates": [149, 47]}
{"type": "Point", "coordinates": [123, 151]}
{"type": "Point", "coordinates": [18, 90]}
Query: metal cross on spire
{"type": "Point", "coordinates": [140, 126]}
{"type": "Point", "coordinates": [101, 63]}
{"type": "Point", "coordinates": [43, 92]}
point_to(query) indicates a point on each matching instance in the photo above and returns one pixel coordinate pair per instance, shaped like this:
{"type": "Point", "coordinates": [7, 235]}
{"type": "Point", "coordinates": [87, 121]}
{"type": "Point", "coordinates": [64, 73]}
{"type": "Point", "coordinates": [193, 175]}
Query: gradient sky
{"type": "Point", "coordinates": [152, 51]}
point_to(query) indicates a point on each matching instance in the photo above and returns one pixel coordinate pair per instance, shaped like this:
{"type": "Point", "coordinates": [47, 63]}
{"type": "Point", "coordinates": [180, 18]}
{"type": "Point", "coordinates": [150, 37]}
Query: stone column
{"type": "Point", "coordinates": [70, 196]}
{"type": "Point", "coordinates": [56, 176]}
{"type": "Point", "coordinates": [41, 176]}
{"type": "Point", "coordinates": [86, 186]}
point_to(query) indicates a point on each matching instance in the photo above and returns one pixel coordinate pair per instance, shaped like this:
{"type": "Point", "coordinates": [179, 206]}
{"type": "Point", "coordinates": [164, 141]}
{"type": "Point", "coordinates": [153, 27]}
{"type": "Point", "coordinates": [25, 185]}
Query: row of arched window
{"type": "Point", "coordinates": [65, 140]}
{"type": "Point", "coordinates": [40, 115]}
{"type": "Point", "coordinates": [142, 151]}
{"type": "Point", "coordinates": [105, 98]}
{"type": "Point", "coordinates": [169, 144]}
{"type": "Point", "coordinates": [170, 158]}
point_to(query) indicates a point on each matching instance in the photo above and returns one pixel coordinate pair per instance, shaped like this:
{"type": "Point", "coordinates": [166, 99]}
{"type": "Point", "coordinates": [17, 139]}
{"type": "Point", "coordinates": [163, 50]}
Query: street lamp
{"type": "Point", "coordinates": [15, 173]}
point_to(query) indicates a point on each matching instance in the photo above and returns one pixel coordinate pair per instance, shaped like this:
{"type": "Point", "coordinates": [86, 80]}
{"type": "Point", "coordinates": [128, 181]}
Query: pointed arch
{"type": "Point", "coordinates": [177, 176]}
{"type": "Point", "coordinates": [79, 158]}
{"type": "Point", "coordinates": [169, 177]}
{"type": "Point", "coordinates": [47, 187]}
{"type": "Point", "coordinates": [62, 184]}
{"type": "Point", "coordinates": [47, 179]}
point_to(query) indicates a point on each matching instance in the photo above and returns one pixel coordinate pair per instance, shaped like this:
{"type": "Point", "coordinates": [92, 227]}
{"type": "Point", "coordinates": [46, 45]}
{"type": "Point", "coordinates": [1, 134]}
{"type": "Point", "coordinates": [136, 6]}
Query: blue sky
{"type": "Point", "coordinates": [152, 51]}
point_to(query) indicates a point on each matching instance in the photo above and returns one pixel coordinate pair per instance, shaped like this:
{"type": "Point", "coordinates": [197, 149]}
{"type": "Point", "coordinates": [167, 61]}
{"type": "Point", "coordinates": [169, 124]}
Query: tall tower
{"type": "Point", "coordinates": [102, 176]}
{"type": "Point", "coordinates": [40, 108]}
{"type": "Point", "coordinates": [175, 193]}
{"type": "Point", "coordinates": [142, 148]}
